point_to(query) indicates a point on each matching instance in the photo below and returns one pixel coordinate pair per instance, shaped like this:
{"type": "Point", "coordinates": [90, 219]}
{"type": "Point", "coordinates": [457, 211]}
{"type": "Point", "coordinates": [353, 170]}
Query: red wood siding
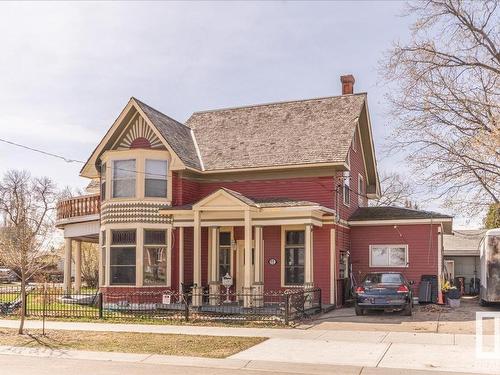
{"type": "Point", "coordinates": [272, 250]}
{"type": "Point", "coordinates": [422, 241]}
{"type": "Point", "coordinates": [321, 261]}
{"type": "Point", "coordinates": [357, 168]}
{"type": "Point", "coordinates": [315, 189]}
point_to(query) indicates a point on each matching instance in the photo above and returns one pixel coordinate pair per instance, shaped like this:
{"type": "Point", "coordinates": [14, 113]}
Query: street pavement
{"type": "Point", "coordinates": [22, 365]}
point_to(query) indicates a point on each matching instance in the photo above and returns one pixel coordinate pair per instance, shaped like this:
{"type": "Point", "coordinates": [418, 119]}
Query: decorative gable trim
{"type": "Point", "coordinates": [138, 135]}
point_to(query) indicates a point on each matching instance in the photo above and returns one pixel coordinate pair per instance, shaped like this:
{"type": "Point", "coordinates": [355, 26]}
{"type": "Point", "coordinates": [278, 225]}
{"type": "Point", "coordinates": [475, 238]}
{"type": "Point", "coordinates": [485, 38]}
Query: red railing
{"type": "Point", "coordinates": [78, 206]}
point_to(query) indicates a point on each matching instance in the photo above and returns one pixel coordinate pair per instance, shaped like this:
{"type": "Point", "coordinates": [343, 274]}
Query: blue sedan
{"type": "Point", "coordinates": [384, 291]}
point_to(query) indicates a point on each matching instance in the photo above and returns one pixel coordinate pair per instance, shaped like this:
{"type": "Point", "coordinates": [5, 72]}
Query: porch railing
{"type": "Point", "coordinates": [78, 206]}
{"type": "Point", "coordinates": [53, 302]}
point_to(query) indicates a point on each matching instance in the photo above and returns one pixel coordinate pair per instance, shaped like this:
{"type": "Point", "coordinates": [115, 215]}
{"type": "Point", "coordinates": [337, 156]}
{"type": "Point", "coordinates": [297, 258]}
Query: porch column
{"type": "Point", "coordinates": [197, 289]}
{"type": "Point", "coordinates": [78, 265]}
{"type": "Point", "coordinates": [214, 266]}
{"type": "Point", "coordinates": [308, 261]}
{"type": "Point", "coordinates": [181, 258]}
{"type": "Point", "coordinates": [67, 265]}
{"type": "Point", "coordinates": [169, 258]}
{"type": "Point", "coordinates": [258, 285]}
{"type": "Point", "coordinates": [247, 282]}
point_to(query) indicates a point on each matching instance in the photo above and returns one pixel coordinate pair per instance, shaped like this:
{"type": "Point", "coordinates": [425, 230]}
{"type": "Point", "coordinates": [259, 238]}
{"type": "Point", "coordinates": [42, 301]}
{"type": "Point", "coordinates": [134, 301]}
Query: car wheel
{"type": "Point", "coordinates": [359, 310]}
{"type": "Point", "coordinates": [407, 311]}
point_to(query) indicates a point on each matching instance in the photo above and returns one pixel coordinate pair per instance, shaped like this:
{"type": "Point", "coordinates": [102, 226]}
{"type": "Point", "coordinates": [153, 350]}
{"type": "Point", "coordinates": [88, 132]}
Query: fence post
{"type": "Point", "coordinates": [25, 303]}
{"type": "Point", "coordinates": [320, 301]}
{"type": "Point", "coordinates": [99, 304]}
{"type": "Point", "coordinates": [186, 307]}
{"type": "Point", "coordinates": [287, 305]}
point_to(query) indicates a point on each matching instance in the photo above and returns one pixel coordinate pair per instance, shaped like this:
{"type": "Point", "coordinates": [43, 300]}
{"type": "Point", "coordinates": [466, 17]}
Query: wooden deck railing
{"type": "Point", "coordinates": [78, 206]}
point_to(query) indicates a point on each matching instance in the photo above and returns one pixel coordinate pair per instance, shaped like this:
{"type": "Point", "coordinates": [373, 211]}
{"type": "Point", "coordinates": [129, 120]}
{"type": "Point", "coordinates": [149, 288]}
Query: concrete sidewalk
{"type": "Point", "coordinates": [281, 333]}
{"type": "Point", "coordinates": [165, 364]}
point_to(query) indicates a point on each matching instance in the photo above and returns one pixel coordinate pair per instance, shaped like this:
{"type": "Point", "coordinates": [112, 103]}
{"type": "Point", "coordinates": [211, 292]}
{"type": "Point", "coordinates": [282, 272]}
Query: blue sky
{"type": "Point", "coordinates": [69, 68]}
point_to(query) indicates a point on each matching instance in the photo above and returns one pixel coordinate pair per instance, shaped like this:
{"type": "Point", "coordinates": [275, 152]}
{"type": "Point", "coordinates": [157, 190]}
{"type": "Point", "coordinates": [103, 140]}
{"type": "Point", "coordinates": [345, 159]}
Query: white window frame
{"type": "Point", "coordinates": [361, 190]}
{"type": "Point", "coordinates": [405, 246]}
{"type": "Point", "coordinates": [166, 176]}
{"type": "Point", "coordinates": [346, 182]}
{"type": "Point", "coordinates": [113, 179]}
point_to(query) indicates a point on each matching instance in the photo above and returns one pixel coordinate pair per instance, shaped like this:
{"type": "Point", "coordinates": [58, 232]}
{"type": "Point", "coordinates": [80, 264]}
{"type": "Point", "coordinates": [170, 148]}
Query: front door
{"type": "Point", "coordinates": [240, 265]}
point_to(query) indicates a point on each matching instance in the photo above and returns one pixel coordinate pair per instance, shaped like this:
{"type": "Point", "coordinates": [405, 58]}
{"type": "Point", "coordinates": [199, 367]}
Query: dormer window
{"type": "Point", "coordinates": [124, 174]}
{"type": "Point", "coordinates": [156, 178]}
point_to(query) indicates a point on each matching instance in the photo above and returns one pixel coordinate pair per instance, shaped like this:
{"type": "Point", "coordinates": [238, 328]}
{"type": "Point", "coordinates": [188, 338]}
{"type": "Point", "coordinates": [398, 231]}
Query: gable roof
{"type": "Point", "coordinates": [175, 136]}
{"type": "Point", "coordinates": [278, 134]}
{"type": "Point", "coordinates": [178, 135]}
{"type": "Point", "coordinates": [393, 213]}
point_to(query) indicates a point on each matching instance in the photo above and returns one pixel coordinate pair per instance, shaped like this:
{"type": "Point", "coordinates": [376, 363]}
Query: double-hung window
{"type": "Point", "coordinates": [294, 257]}
{"type": "Point", "coordinates": [122, 257]}
{"type": "Point", "coordinates": [155, 257]}
{"type": "Point", "coordinates": [156, 178]}
{"type": "Point", "coordinates": [346, 188]}
{"type": "Point", "coordinates": [388, 255]}
{"type": "Point", "coordinates": [124, 175]}
{"type": "Point", "coordinates": [224, 254]}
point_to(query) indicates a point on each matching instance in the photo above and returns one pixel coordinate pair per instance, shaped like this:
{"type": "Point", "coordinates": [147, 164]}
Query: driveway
{"type": "Point", "coordinates": [426, 318]}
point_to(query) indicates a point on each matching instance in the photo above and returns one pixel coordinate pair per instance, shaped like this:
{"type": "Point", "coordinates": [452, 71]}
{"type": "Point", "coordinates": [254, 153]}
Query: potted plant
{"type": "Point", "coordinates": [452, 294]}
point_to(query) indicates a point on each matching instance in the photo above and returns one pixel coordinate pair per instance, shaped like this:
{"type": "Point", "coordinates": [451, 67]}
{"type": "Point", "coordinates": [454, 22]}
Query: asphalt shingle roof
{"type": "Point", "coordinates": [278, 134]}
{"type": "Point", "coordinates": [177, 135]}
{"type": "Point", "coordinates": [393, 213]}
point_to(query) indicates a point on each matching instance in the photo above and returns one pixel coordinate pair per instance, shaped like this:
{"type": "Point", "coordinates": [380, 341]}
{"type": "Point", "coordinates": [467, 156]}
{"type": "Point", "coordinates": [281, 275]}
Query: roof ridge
{"type": "Point", "coordinates": [160, 112]}
{"type": "Point", "coordinates": [279, 102]}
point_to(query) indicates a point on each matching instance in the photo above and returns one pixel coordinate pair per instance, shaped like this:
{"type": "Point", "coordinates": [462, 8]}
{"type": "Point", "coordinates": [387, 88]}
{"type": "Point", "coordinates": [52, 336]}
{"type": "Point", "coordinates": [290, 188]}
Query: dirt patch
{"type": "Point", "coordinates": [147, 343]}
{"type": "Point", "coordinates": [426, 318]}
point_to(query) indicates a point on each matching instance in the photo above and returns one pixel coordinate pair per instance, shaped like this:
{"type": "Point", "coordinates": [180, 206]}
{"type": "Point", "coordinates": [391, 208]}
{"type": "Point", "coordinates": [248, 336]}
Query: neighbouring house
{"type": "Point", "coordinates": [461, 250]}
{"type": "Point", "coordinates": [273, 195]}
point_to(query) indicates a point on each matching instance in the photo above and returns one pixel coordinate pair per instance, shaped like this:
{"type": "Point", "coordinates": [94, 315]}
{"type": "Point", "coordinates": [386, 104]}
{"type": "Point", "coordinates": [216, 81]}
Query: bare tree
{"type": "Point", "coordinates": [90, 264]}
{"type": "Point", "coordinates": [395, 190]}
{"type": "Point", "coordinates": [445, 100]}
{"type": "Point", "coordinates": [27, 204]}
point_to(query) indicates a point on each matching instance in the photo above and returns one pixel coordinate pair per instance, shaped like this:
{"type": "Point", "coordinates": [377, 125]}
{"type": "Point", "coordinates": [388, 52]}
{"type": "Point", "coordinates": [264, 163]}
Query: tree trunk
{"type": "Point", "coordinates": [23, 302]}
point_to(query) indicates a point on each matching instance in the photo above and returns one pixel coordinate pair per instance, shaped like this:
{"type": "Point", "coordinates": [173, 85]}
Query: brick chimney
{"type": "Point", "coordinates": [347, 84]}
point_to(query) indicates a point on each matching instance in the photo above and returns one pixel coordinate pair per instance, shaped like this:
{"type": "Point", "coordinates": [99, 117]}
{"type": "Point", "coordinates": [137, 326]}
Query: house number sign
{"type": "Point", "coordinates": [272, 261]}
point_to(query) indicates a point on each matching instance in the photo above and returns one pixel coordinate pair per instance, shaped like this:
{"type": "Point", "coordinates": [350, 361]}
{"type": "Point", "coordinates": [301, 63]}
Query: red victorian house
{"type": "Point", "coordinates": [274, 195]}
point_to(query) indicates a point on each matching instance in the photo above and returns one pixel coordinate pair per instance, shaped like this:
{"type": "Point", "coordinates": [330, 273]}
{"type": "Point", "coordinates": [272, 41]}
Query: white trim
{"type": "Point", "coordinates": [399, 221]}
{"type": "Point", "coordinates": [388, 246]}
{"type": "Point", "coordinates": [198, 153]}
{"type": "Point", "coordinates": [284, 229]}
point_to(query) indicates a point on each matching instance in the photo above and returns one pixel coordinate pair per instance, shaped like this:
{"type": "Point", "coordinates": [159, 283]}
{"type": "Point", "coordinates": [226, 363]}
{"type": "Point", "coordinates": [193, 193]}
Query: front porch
{"type": "Point", "coordinates": [224, 232]}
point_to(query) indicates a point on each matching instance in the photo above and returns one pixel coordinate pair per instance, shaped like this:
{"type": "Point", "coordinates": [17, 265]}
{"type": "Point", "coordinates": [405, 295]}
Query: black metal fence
{"type": "Point", "coordinates": [53, 302]}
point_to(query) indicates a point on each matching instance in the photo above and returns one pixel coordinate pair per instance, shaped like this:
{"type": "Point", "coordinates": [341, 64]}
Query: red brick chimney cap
{"type": "Point", "coordinates": [348, 78]}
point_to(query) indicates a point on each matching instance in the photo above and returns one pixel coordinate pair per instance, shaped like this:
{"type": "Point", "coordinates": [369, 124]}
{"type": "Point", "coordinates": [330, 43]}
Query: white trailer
{"type": "Point", "coordinates": [490, 267]}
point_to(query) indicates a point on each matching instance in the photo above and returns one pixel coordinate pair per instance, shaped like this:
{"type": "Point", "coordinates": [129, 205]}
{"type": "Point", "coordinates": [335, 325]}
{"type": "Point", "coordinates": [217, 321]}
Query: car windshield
{"type": "Point", "coordinates": [383, 278]}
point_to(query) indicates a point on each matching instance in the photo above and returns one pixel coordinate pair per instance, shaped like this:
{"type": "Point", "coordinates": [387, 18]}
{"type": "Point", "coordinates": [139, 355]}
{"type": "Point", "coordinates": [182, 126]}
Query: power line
{"type": "Point", "coordinates": [70, 160]}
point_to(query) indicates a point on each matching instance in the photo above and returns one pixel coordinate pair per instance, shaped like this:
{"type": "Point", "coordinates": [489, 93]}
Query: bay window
{"type": "Point", "coordinates": [388, 255]}
{"type": "Point", "coordinates": [103, 181]}
{"type": "Point", "coordinates": [155, 257]}
{"type": "Point", "coordinates": [124, 175]}
{"type": "Point", "coordinates": [294, 257]}
{"type": "Point", "coordinates": [156, 178]}
{"type": "Point", "coordinates": [122, 257]}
